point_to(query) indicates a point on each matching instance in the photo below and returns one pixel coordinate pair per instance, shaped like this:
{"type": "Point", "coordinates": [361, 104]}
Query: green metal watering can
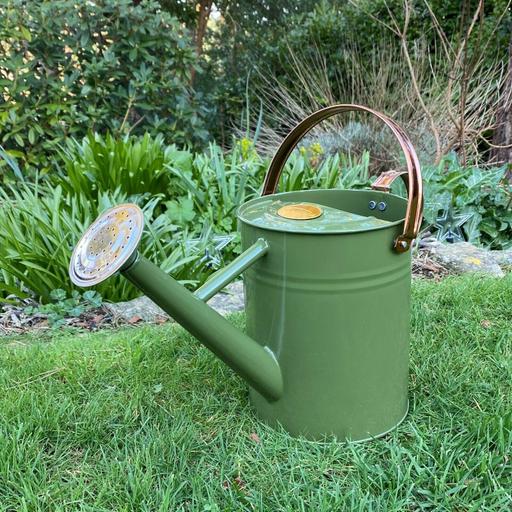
{"type": "Point", "coordinates": [327, 289]}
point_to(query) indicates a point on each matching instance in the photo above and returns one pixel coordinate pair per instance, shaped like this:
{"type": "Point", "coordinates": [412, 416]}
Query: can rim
{"type": "Point", "coordinates": [284, 195]}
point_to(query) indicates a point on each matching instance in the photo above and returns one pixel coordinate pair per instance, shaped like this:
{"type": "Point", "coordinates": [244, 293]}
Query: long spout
{"type": "Point", "coordinates": [255, 363]}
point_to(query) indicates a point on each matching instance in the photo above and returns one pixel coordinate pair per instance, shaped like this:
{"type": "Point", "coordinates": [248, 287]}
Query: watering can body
{"type": "Point", "coordinates": [334, 309]}
{"type": "Point", "coordinates": [327, 290]}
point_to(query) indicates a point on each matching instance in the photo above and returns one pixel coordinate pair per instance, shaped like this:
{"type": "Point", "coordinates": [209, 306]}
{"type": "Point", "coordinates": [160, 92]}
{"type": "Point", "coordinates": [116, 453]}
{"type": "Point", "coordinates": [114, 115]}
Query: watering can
{"type": "Point", "coordinates": [327, 290]}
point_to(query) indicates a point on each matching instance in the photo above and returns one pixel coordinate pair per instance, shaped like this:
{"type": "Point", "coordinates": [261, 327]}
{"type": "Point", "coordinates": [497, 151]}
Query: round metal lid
{"type": "Point", "coordinates": [300, 211]}
{"type": "Point", "coordinates": [107, 245]}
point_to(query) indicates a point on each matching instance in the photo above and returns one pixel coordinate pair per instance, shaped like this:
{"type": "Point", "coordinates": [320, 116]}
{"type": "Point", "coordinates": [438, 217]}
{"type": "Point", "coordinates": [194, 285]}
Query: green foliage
{"type": "Point", "coordinates": [62, 306]}
{"type": "Point", "coordinates": [189, 199]}
{"type": "Point", "coordinates": [484, 193]}
{"type": "Point", "coordinates": [213, 185]}
{"type": "Point", "coordinates": [244, 42]}
{"type": "Point", "coordinates": [332, 171]}
{"type": "Point", "coordinates": [135, 165]}
{"type": "Point", "coordinates": [40, 225]}
{"type": "Point", "coordinates": [253, 42]}
{"type": "Point", "coordinates": [68, 67]}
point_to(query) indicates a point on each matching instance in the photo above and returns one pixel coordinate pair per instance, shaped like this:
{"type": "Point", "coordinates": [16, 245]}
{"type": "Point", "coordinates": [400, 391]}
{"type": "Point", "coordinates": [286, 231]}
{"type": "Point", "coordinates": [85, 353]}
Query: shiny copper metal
{"type": "Point", "coordinates": [386, 179]}
{"type": "Point", "coordinates": [107, 245]}
{"type": "Point", "coordinates": [415, 187]}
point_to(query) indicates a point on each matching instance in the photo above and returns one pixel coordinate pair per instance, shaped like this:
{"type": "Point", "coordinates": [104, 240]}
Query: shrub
{"type": "Point", "coordinates": [190, 200]}
{"type": "Point", "coordinates": [329, 30]}
{"type": "Point", "coordinates": [135, 165]}
{"type": "Point", "coordinates": [214, 184]}
{"type": "Point", "coordinates": [62, 306]}
{"type": "Point", "coordinates": [68, 67]}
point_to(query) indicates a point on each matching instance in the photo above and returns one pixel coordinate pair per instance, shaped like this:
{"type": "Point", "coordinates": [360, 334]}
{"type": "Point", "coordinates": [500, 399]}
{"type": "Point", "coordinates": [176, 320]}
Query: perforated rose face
{"type": "Point", "coordinates": [107, 245]}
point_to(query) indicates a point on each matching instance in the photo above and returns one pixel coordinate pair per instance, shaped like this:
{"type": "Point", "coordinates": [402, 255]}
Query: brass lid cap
{"type": "Point", "coordinates": [300, 211]}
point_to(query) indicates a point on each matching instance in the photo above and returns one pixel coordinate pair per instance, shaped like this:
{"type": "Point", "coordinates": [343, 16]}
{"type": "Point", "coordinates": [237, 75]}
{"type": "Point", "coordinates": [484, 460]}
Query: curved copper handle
{"type": "Point", "coordinates": [415, 187]}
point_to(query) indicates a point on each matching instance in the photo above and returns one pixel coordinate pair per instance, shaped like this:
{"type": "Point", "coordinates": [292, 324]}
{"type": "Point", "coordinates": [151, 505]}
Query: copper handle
{"type": "Point", "coordinates": [415, 187]}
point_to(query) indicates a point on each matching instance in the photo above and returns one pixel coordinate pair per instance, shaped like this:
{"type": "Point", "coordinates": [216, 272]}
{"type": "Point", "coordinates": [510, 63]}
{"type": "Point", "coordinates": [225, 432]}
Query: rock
{"type": "Point", "coordinates": [463, 257]}
{"type": "Point", "coordinates": [503, 259]}
{"type": "Point", "coordinates": [141, 307]}
{"type": "Point", "coordinates": [231, 299]}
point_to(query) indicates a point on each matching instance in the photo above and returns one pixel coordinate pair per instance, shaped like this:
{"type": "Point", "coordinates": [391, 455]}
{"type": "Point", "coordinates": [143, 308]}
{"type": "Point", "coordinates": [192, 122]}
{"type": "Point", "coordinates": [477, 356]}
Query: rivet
{"type": "Point", "coordinates": [382, 206]}
{"type": "Point", "coordinates": [372, 205]}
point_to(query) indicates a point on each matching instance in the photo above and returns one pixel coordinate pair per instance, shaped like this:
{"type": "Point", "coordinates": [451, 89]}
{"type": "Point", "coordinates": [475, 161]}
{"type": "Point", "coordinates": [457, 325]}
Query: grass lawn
{"type": "Point", "coordinates": [145, 419]}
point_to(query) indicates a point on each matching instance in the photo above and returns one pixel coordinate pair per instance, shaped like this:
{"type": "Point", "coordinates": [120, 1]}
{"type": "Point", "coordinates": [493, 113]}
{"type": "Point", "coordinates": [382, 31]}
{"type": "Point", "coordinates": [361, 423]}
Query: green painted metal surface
{"type": "Point", "coordinates": [254, 362]}
{"type": "Point", "coordinates": [333, 306]}
{"type": "Point", "coordinates": [263, 213]}
{"type": "Point", "coordinates": [327, 302]}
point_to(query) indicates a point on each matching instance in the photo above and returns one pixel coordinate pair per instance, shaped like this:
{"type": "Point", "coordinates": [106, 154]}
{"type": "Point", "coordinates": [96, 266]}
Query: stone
{"type": "Point", "coordinates": [230, 300]}
{"type": "Point", "coordinates": [503, 258]}
{"type": "Point", "coordinates": [463, 257]}
{"type": "Point", "coordinates": [141, 307]}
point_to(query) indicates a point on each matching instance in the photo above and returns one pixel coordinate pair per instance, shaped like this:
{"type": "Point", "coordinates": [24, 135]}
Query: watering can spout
{"type": "Point", "coordinates": [110, 245]}
{"type": "Point", "coordinates": [255, 363]}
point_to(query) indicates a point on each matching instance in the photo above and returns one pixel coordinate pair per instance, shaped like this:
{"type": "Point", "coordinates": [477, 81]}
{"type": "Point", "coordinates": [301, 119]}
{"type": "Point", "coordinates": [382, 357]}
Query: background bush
{"type": "Point", "coordinates": [135, 165]}
{"type": "Point", "coordinates": [67, 67]}
{"type": "Point", "coordinates": [252, 41]}
{"type": "Point", "coordinates": [484, 194]}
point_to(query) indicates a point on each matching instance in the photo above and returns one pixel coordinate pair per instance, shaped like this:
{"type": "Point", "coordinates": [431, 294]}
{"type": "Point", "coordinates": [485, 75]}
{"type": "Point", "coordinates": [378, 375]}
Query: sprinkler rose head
{"type": "Point", "coordinates": [109, 242]}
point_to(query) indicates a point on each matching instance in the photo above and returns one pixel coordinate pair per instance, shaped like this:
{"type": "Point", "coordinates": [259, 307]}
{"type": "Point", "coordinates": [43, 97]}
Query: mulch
{"type": "Point", "coordinates": [14, 320]}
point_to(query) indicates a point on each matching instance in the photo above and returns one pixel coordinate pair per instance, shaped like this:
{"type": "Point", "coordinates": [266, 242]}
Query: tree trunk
{"type": "Point", "coordinates": [502, 137]}
{"type": "Point", "coordinates": [205, 7]}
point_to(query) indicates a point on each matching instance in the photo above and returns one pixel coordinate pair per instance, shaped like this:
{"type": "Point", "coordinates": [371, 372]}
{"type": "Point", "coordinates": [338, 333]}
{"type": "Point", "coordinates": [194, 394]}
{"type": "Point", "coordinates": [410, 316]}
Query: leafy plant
{"type": "Point", "coordinates": [135, 165]}
{"type": "Point", "coordinates": [485, 194]}
{"type": "Point", "coordinates": [332, 171]}
{"type": "Point", "coordinates": [68, 67]}
{"type": "Point", "coordinates": [40, 225]}
{"type": "Point", "coordinates": [62, 306]}
{"type": "Point", "coordinates": [217, 183]}
{"type": "Point", "coordinates": [190, 200]}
